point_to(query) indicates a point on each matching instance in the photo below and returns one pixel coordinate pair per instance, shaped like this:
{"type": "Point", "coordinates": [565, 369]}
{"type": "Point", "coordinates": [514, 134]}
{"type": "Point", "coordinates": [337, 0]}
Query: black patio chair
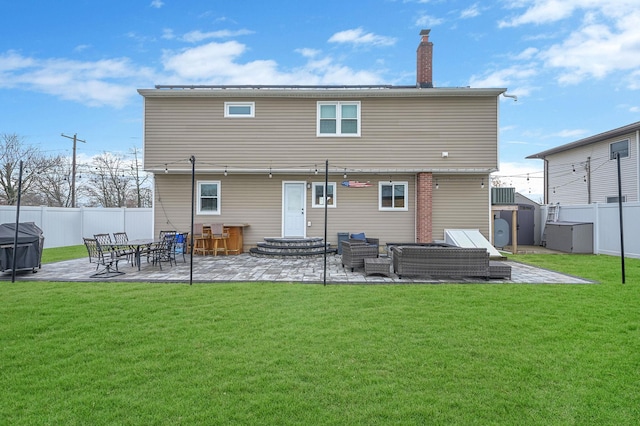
{"type": "Point", "coordinates": [163, 250]}
{"type": "Point", "coordinates": [125, 251]}
{"type": "Point", "coordinates": [106, 258]}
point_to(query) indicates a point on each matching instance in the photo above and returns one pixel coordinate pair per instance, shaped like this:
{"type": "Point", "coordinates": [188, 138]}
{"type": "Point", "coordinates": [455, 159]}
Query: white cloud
{"type": "Point", "coordinates": [527, 54]}
{"type": "Point", "coordinates": [504, 77]}
{"type": "Point", "coordinates": [197, 36]}
{"type": "Point", "coordinates": [470, 12]}
{"type": "Point", "coordinates": [157, 4]}
{"type": "Point", "coordinates": [570, 133]}
{"type": "Point", "coordinates": [219, 63]}
{"type": "Point", "coordinates": [525, 177]}
{"type": "Point", "coordinates": [607, 39]}
{"type": "Point", "coordinates": [108, 82]}
{"type": "Point", "coordinates": [357, 36]}
{"type": "Point", "coordinates": [168, 34]}
{"type": "Point", "coordinates": [428, 21]}
{"type": "Point", "coordinates": [308, 53]}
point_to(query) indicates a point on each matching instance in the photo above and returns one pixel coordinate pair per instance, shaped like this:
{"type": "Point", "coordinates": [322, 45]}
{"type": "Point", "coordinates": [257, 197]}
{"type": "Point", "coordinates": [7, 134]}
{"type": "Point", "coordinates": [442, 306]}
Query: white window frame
{"type": "Point", "coordinates": [199, 200]}
{"type": "Point", "coordinates": [228, 105]}
{"type": "Point", "coordinates": [338, 133]}
{"type": "Point", "coordinates": [611, 156]}
{"type": "Point", "coordinates": [331, 185]}
{"type": "Point", "coordinates": [393, 185]}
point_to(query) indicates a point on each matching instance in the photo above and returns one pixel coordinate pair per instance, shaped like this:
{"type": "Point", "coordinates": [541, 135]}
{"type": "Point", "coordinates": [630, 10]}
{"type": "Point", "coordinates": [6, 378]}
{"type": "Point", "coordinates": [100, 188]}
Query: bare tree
{"type": "Point", "coordinates": [108, 184]}
{"type": "Point", "coordinates": [142, 193]}
{"type": "Point", "coordinates": [55, 185]}
{"type": "Point", "coordinates": [12, 151]}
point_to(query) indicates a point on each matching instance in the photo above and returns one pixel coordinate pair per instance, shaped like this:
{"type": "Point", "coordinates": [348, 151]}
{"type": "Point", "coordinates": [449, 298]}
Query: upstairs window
{"type": "Point", "coordinates": [208, 197]}
{"type": "Point", "coordinates": [239, 109]}
{"type": "Point", "coordinates": [621, 148]}
{"type": "Point", "coordinates": [393, 196]}
{"type": "Point", "coordinates": [318, 194]}
{"type": "Point", "coordinates": [338, 119]}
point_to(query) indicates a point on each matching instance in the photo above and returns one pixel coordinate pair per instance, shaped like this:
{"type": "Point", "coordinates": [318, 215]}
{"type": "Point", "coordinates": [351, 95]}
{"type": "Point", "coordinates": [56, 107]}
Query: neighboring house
{"type": "Point", "coordinates": [585, 171]}
{"type": "Point", "coordinates": [405, 162]}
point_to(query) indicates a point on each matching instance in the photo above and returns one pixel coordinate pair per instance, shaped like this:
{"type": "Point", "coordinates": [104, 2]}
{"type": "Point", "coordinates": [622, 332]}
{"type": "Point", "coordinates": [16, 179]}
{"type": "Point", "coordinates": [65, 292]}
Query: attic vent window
{"type": "Point", "coordinates": [239, 109]}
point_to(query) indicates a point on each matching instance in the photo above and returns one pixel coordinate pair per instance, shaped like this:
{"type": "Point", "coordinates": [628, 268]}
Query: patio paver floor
{"type": "Point", "coordinates": [246, 268]}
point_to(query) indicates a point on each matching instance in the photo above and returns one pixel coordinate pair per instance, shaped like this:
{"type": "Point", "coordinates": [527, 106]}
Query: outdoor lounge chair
{"type": "Point", "coordinates": [355, 251]}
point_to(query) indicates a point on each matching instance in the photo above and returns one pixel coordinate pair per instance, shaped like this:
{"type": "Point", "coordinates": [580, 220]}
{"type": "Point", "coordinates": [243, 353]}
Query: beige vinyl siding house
{"type": "Point", "coordinates": [585, 171]}
{"type": "Point", "coordinates": [416, 159]}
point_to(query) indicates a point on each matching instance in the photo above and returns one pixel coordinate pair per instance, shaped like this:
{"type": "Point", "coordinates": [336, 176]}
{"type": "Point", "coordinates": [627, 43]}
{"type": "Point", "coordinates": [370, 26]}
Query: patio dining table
{"type": "Point", "coordinates": [138, 245]}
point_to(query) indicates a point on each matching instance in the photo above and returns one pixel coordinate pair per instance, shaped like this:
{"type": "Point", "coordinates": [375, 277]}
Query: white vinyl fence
{"type": "Point", "coordinates": [67, 226]}
{"type": "Point", "coordinates": [606, 225]}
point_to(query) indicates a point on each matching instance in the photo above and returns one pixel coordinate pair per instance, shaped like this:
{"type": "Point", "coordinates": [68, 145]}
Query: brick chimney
{"type": "Point", "coordinates": [424, 73]}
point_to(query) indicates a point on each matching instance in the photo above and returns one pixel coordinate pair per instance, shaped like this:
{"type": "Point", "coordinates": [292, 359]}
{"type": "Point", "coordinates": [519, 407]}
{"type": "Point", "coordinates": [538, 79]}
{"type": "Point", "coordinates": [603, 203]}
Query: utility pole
{"type": "Point", "coordinates": [73, 166]}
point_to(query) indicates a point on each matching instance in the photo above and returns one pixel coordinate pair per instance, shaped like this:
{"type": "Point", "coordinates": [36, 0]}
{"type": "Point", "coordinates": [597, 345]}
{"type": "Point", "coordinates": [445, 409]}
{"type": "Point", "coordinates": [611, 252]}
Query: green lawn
{"type": "Point", "coordinates": [255, 353]}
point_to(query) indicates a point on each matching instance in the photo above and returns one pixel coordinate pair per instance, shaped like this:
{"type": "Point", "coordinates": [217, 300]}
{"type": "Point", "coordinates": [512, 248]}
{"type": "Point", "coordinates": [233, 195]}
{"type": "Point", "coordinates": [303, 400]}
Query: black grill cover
{"type": "Point", "coordinates": [30, 242]}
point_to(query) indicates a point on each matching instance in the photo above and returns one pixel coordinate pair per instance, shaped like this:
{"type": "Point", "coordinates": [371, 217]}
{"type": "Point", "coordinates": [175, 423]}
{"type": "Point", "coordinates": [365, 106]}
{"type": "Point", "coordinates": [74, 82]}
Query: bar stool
{"type": "Point", "coordinates": [201, 239]}
{"type": "Point", "coordinates": [219, 234]}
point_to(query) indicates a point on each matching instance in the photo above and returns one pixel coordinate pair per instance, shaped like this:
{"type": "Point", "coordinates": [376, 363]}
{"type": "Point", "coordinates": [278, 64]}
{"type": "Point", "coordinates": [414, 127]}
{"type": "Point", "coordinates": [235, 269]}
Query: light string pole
{"type": "Point", "coordinates": [73, 166]}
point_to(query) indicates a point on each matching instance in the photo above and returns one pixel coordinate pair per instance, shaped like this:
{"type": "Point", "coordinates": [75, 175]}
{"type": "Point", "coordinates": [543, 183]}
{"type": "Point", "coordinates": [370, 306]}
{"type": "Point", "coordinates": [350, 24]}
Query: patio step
{"type": "Point", "coordinates": [290, 247]}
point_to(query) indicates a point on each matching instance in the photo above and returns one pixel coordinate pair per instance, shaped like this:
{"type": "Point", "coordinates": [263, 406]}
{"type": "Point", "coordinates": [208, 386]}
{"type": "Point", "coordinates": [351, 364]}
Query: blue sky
{"type": "Point", "coordinates": [74, 66]}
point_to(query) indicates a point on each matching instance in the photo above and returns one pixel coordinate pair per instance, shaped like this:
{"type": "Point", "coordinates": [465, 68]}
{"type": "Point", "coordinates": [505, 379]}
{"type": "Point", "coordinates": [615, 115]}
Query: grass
{"type": "Point", "coordinates": [254, 353]}
{"type": "Point", "coordinates": [58, 254]}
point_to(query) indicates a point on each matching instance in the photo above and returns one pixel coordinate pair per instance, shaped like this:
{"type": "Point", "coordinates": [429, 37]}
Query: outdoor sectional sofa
{"type": "Point", "coordinates": [447, 262]}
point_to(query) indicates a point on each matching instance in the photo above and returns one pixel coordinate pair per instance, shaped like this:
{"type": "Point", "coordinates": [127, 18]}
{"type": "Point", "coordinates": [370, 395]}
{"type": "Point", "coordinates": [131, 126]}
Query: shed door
{"type": "Point", "coordinates": [293, 214]}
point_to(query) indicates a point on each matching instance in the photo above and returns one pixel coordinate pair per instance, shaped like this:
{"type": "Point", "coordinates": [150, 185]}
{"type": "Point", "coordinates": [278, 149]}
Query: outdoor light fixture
{"type": "Point", "coordinates": [445, 154]}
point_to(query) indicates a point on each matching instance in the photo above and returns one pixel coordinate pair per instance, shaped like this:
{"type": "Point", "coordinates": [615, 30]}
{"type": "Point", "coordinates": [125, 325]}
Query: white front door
{"type": "Point", "coordinates": [294, 196]}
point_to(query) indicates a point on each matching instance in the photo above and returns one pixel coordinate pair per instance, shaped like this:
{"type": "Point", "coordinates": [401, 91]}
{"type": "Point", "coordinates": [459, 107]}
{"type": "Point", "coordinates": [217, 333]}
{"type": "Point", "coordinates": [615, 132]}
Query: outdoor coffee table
{"type": "Point", "coordinates": [377, 265]}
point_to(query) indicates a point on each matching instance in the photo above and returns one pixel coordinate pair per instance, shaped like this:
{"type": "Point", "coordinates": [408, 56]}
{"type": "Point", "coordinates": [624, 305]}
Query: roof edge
{"type": "Point", "coordinates": [629, 128]}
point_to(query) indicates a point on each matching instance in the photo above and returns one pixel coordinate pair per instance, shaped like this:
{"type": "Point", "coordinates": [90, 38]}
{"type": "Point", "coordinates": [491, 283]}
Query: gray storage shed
{"type": "Point", "coordinates": [570, 237]}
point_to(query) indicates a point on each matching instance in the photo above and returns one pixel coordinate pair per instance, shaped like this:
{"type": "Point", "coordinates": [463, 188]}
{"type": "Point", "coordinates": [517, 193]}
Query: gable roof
{"type": "Point", "coordinates": [620, 131]}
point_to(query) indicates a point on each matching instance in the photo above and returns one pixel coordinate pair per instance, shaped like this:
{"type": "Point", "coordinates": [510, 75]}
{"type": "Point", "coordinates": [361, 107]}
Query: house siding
{"type": "Point", "coordinates": [406, 133]}
{"type": "Point", "coordinates": [567, 187]}
{"type": "Point", "coordinates": [257, 201]}
{"type": "Point", "coordinates": [461, 203]}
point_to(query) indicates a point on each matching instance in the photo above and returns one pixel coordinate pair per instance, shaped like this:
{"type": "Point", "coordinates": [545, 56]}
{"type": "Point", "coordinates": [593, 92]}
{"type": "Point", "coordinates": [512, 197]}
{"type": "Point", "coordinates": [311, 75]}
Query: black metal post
{"type": "Point", "coordinates": [326, 202]}
{"type": "Point", "coordinates": [620, 211]}
{"type": "Point", "coordinates": [193, 196]}
{"type": "Point", "coordinates": [15, 237]}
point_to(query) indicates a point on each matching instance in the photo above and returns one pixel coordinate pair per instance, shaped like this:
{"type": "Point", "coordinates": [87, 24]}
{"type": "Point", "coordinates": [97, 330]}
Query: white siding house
{"type": "Point", "coordinates": [585, 171]}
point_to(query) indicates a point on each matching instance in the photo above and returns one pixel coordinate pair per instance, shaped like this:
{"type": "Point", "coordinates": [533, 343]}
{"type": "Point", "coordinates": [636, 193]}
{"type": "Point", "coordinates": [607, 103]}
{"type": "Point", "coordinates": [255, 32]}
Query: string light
{"type": "Point", "coordinates": [225, 171]}
{"type": "Point", "coordinates": [166, 170]}
{"type": "Point", "coordinates": [316, 172]}
{"type": "Point", "coordinates": [482, 184]}
{"type": "Point", "coordinates": [437, 185]}
{"type": "Point", "coordinates": [345, 173]}
{"type": "Point", "coordinates": [270, 174]}
{"type": "Point", "coordinates": [573, 167]}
